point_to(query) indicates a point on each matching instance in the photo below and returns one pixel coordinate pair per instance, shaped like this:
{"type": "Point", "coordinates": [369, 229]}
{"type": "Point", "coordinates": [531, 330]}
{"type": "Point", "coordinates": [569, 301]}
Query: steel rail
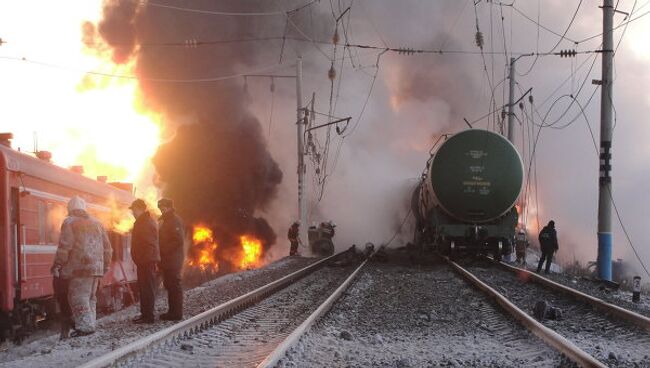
{"type": "Point", "coordinates": [293, 338]}
{"type": "Point", "coordinates": [600, 304]}
{"type": "Point", "coordinates": [204, 320]}
{"type": "Point", "coordinates": [547, 335]}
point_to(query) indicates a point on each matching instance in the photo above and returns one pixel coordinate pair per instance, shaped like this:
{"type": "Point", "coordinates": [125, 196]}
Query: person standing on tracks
{"type": "Point", "coordinates": [548, 245]}
{"type": "Point", "coordinates": [83, 257]}
{"type": "Point", "coordinates": [521, 243]}
{"type": "Point", "coordinates": [294, 236]}
{"type": "Point", "coordinates": [171, 237]}
{"type": "Point", "coordinates": [145, 255]}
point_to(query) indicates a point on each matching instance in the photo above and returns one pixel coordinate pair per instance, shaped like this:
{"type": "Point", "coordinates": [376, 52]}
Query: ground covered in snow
{"type": "Point", "coordinates": [117, 329]}
{"type": "Point", "coordinates": [417, 316]}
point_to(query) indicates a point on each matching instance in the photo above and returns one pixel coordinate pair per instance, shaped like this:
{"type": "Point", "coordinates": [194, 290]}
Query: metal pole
{"type": "Point", "coordinates": [300, 124]}
{"type": "Point", "coordinates": [511, 103]}
{"type": "Point", "coordinates": [604, 265]}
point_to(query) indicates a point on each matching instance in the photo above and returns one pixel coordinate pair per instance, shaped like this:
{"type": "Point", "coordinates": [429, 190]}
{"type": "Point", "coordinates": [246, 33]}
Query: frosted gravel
{"type": "Point", "coordinates": [117, 329]}
{"type": "Point", "coordinates": [407, 316]}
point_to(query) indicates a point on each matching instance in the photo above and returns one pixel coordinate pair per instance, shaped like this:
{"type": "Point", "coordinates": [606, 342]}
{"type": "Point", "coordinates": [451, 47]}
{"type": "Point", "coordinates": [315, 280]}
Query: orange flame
{"type": "Point", "coordinates": [251, 252]}
{"type": "Point", "coordinates": [204, 249]}
{"type": "Point", "coordinates": [96, 120]}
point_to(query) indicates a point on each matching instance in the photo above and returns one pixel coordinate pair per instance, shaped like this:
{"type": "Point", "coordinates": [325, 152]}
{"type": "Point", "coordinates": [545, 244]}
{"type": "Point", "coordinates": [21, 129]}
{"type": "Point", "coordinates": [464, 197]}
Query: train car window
{"type": "Point", "coordinates": [56, 213]}
{"type": "Point", "coordinates": [42, 222]}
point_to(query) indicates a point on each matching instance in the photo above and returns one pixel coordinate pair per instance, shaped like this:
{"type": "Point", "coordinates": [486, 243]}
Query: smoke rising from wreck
{"type": "Point", "coordinates": [216, 166]}
{"type": "Point", "coordinates": [416, 98]}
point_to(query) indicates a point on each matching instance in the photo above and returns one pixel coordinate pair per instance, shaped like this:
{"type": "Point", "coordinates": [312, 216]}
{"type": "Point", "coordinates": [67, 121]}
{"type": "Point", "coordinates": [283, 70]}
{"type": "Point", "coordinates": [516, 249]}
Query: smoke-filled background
{"type": "Point", "coordinates": [230, 152]}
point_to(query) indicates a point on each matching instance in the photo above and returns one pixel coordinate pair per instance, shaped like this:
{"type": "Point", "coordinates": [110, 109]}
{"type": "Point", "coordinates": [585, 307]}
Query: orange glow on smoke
{"type": "Point", "coordinates": [204, 247]}
{"type": "Point", "coordinates": [251, 252]}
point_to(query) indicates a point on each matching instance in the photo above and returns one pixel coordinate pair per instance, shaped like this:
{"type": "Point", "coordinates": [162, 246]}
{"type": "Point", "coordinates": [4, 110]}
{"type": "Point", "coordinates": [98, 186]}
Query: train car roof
{"type": "Point", "coordinates": [23, 163]}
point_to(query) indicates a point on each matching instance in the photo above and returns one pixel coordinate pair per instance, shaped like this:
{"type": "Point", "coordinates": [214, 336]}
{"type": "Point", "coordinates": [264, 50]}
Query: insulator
{"type": "Point", "coordinates": [479, 39]}
{"type": "Point", "coordinates": [503, 114]}
{"type": "Point", "coordinates": [521, 105]}
{"type": "Point", "coordinates": [331, 74]}
{"type": "Point", "coordinates": [530, 99]}
{"type": "Point", "coordinates": [335, 38]}
{"type": "Point", "coordinates": [272, 85]}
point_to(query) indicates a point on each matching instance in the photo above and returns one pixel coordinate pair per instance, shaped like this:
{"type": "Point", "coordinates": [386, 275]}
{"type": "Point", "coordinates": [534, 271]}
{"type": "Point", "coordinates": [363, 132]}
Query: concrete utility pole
{"type": "Point", "coordinates": [604, 265]}
{"type": "Point", "coordinates": [300, 124]}
{"type": "Point", "coordinates": [511, 103]}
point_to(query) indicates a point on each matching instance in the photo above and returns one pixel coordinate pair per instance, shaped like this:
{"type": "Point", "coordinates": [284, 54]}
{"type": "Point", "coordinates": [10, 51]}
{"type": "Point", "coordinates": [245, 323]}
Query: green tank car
{"type": "Point", "coordinates": [465, 201]}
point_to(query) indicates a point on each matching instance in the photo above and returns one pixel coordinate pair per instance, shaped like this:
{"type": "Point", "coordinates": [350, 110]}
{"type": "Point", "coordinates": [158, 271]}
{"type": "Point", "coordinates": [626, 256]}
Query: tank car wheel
{"type": "Point", "coordinates": [453, 252]}
{"type": "Point", "coordinates": [498, 253]}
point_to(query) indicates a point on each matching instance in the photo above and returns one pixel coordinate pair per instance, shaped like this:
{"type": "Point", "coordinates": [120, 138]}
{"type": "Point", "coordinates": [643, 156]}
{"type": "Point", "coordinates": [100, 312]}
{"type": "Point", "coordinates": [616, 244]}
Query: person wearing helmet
{"type": "Point", "coordinates": [548, 245]}
{"type": "Point", "coordinates": [83, 257]}
{"type": "Point", "coordinates": [521, 243]}
{"type": "Point", "coordinates": [293, 235]}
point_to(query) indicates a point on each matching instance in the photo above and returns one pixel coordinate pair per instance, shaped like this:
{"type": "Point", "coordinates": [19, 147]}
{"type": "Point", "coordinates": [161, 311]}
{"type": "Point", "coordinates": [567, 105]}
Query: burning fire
{"type": "Point", "coordinates": [98, 121]}
{"type": "Point", "coordinates": [251, 252]}
{"type": "Point", "coordinates": [202, 254]}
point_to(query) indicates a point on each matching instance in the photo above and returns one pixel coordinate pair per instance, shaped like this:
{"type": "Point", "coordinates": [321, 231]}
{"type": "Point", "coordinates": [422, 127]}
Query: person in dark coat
{"type": "Point", "coordinates": [293, 235]}
{"type": "Point", "coordinates": [145, 255]}
{"type": "Point", "coordinates": [61, 287]}
{"type": "Point", "coordinates": [172, 255]}
{"type": "Point", "coordinates": [548, 245]}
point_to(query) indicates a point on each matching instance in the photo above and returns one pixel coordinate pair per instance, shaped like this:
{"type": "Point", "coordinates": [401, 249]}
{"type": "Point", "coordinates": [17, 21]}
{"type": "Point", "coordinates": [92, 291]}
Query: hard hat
{"type": "Point", "coordinates": [76, 203]}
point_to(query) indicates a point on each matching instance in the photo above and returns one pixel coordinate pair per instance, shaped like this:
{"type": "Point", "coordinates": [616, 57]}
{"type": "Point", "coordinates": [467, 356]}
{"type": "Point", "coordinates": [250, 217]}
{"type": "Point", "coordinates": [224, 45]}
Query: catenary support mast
{"type": "Point", "coordinates": [604, 265]}
{"type": "Point", "coordinates": [300, 124]}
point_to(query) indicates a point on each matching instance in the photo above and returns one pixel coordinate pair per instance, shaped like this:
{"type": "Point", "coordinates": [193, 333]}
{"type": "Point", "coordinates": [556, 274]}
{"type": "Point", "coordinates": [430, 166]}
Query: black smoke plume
{"type": "Point", "coordinates": [217, 167]}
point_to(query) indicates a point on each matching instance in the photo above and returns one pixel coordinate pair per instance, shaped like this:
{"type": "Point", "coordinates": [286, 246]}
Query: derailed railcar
{"type": "Point", "coordinates": [33, 203]}
{"type": "Point", "coordinates": [465, 201]}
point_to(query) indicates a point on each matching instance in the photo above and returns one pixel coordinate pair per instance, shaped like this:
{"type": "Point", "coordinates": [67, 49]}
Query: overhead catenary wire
{"type": "Point", "coordinates": [225, 13]}
{"type": "Point", "coordinates": [274, 67]}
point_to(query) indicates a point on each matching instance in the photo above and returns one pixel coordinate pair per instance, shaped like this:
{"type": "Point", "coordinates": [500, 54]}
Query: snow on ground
{"type": "Point", "coordinates": [117, 330]}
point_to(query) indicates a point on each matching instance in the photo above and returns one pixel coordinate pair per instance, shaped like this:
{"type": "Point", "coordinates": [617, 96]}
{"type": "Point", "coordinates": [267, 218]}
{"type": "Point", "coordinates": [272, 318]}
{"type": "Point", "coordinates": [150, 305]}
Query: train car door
{"type": "Point", "coordinates": [14, 225]}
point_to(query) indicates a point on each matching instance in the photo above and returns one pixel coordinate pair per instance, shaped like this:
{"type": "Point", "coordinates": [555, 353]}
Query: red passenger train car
{"type": "Point", "coordinates": [33, 203]}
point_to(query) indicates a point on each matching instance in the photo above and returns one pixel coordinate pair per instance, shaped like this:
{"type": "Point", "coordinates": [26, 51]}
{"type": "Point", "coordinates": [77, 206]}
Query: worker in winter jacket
{"type": "Point", "coordinates": [548, 245]}
{"type": "Point", "coordinates": [293, 235]}
{"type": "Point", "coordinates": [521, 243]}
{"type": "Point", "coordinates": [83, 257]}
{"type": "Point", "coordinates": [171, 238]}
{"type": "Point", "coordinates": [145, 255]}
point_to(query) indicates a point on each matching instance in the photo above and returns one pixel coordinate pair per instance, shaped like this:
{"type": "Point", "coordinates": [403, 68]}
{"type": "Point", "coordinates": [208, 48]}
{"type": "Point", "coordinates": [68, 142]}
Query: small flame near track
{"type": "Point", "coordinates": [206, 255]}
{"type": "Point", "coordinates": [203, 252]}
{"type": "Point", "coordinates": [251, 252]}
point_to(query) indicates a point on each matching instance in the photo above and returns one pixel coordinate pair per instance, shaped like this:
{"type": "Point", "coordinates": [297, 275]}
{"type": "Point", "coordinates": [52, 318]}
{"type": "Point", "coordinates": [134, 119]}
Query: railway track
{"type": "Point", "coordinates": [252, 330]}
{"type": "Point", "coordinates": [397, 315]}
{"type": "Point", "coordinates": [590, 332]}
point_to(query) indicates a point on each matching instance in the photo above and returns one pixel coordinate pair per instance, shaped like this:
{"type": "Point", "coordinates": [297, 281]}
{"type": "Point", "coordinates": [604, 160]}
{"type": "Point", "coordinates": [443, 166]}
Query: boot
{"type": "Point", "coordinates": [65, 329]}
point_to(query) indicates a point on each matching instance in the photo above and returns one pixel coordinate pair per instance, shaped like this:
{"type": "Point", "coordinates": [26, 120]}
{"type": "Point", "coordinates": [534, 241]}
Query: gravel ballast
{"type": "Point", "coordinates": [410, 316]}
{"type": "Point", "coordinates": [116, 330]}
{"type": "Point", "coordinates": [245, 339]}
{"type": "Point", "coordinates": [614, 342]}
